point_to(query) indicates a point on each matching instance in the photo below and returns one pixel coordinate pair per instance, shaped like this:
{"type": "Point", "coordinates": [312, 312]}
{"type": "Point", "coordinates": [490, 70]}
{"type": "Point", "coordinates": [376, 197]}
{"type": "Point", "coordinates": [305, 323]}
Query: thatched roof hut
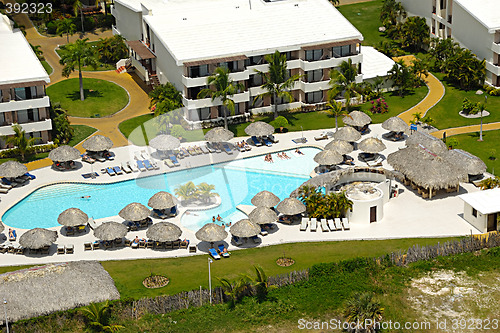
{"type": "Point", "coordinates": [109, 231]}
{"type": "Point", "coordinates": [263, 215]}
{"type": "Point", "coordinates": [340, 146]}
{"type": "Point", "coordinates": [347, 133]}
{"type": "Point", "coordinates": [64, 154]}
{"type": "Point", "coordinates": [72, 217]}
{"type": "Point", "coordinates": [371, 145]}
{"type": "Point", "coordinates": [211, 232]}
{"type": "Point", "coordinates": [328, 157]}
{"type": "Point", "coordinates": [164, 232]}
{"type": "Point", "coordinates": [245, 228]}
{"type": "Point", "coordinates": [434, 144]}
{"type": "Point", "coordinates": [219, 134]}
{"type": "Point", "coordinates": [37, 238]}
{"type": "Point", "coordinates": [265, 199]}
{"type": "Point", "coordinates": [12, 169]}
{"type": "Point", "coordinates": [162, 200]}
{"type": "Point", "coordinates": [395, 124]}
{"type": "Point", "coordinates": [134, 212]}
{"type": "Point", "coordinates": [2, 227]}
{"type": "Point", "coordinates": [357, 118]}
{"type": "Point", "coordinates": [259, 128]}
{"type": "Point", "coordinates": [164, 142]}
{"type": "Point", "coordinates": [291, 206]}
{"type": "Point", "coordinates": [470, 164]}
{"type": "Point", "coordinates": [39, 291]}
{"type": "Point", "coordinates": [97, 143]}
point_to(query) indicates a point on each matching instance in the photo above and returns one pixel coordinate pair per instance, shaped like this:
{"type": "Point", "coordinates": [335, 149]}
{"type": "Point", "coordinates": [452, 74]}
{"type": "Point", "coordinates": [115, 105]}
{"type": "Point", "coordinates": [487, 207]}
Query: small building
{"type": "Point", "coordinates": [482, 209]}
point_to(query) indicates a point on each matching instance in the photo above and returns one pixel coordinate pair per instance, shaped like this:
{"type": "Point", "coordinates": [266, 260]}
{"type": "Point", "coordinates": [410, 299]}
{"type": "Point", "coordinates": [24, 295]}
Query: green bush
{"type": "Point", "coordinates": [51, 27]}
{"type": "Point", "coordinates": [177, 131]}
{"type": "Point", "coordinates": [279, 122]}
{"type": "Point", "coordinates": [495, 92]}
{"type": "Point", "coordinates": [469, 107]}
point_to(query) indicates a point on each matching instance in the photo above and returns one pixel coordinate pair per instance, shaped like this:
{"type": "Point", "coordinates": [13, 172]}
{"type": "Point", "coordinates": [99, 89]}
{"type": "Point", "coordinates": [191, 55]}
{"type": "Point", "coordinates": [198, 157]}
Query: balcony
{"type": "Point", "coordinates": [37, 126]}
{"type": "Point", "coordinates": [25, 104]}
{"type": "Point", "coordinates": [495, 47]}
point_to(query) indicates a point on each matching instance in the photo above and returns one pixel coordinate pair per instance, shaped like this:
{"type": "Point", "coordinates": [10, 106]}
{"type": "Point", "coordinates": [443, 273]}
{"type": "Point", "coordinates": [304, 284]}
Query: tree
{"type": "Point", "coordinates": [74, 57]}
{"type": "Point", "coordinates": [222, 88]}
{"type": "Point", "coordinates": [78, 6]}
{"type": "Point", "coordinates": [205, 191]}
{"type": "Point", "coordinates": [362, 308]}
{"type": "Point", "coordinates": [261, 283]}
{"type": "Point", "coordinates": [489, 183]}
{"type": "Point", "coordinates": [67, 27]}
{"type": "Point", "coordinates": [38, 51]}
{"type": "Point", "coordinates": [98, 316]}
{"type": "Point", "coordinates": [343, 203]}
{"type": "Point", "coordinates": [417, 117]}
{"type": "Point", "coordinates": [415, 33]}
{"type": "Point", "coordinates": [277, 81]}
{"type": "Point", "coordinates": [112, 49]}
{"type": "Point", "coordinates": [335, 109]}
{"type": "Point", "coordinates": [441, 50]}
{"type": "Point", "coordinates": [392, 13]}
{"type": "Point", "coordinates": [62, 130]}
{"type": "Point", "coordinates": [20, 141]}
{"type": "Point", "coordinates": [465, 70]}
{"type": "Point", "coordinates": [235, 289]}
{"type": "Point", "coordinates": [280, 122]}
{"type": "Point", "coordinates": [165, 98]}
{"type": "Point", "coordinates": [402, 77]}
{"type": "Point", "coordinates": [334, 2]}
{"type": "Point", "coordinates": [186, 191]}
{"type": "Point", "coordinates": [343, 82]}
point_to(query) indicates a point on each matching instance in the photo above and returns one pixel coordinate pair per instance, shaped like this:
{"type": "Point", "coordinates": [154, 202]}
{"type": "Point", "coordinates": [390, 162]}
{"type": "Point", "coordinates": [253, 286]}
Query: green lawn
{"type": "Point", "coordinates": [187, 273]}
{"type": "Point", "coordinates": [101, 97]}
{"type": "Point", "coordinates": [100, 67]}
{"type": "Point", "coordinates": [29, 158]}
{"type": "Point", "coordinates": [81, 133]}
{"type": "Point", "coordinates": [365, 17]}
{"type": "Point", "coordinates": [47, 67]}
{"type": "Point", "coordinates": [445, 113]}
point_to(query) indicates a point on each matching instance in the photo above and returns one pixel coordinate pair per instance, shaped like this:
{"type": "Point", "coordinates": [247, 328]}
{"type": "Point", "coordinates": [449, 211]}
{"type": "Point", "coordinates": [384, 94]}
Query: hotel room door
{"type": "Point", "coordinates": [492, 222]}
{"type": "Point", "coordinates": [373, 214]}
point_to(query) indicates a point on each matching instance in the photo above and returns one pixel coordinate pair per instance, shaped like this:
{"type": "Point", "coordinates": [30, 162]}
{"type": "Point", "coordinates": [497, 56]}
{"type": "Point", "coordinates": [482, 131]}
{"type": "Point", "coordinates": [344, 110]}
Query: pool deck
{"type": "Point", "coordinates": [406, 216]}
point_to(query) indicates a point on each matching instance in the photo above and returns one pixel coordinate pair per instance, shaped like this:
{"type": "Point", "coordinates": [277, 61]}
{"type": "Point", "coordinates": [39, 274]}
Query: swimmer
{"type": "Point", "coordinates": [85, 197]}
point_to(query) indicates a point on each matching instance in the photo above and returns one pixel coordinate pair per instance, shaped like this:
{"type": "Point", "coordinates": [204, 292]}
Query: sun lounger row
{"type": "Point", "coordinates": [326, 225]}
{"type": "Point", "coordinates": [139, 244]}
{"type": "Point", "coordinates": [68, 249]}
{"type": "Point", "coordinates": [238, 241]}
{"type": "Point", "coordinates": [220, 251]}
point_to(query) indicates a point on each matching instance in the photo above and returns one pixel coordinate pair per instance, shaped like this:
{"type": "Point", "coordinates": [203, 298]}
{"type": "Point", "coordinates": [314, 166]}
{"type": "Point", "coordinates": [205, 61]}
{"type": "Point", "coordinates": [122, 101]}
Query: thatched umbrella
{"type": "Point", "coordinates": [395, 124]}
{"type": "Point", "coordinates": [219, 134]}
{"type": "Point", "coordinates": [64, 154]}
{"type": "Point", "coordinates": [164, 232]}
{"type": "Point", "coordinates": [328, 157]}
{"type": "Point", "coordinates": [347, 133]}
{"type": "Point", "coordinates": [211, 232]}
{"type": "Point", "coordinates": [134, 212]}
{"type": "Point", "coordinates": [265, 199]}
{"type": "Point", "coordinates": [371, 145]}
{"type": "Point", "coordinates": [259, 128]}
{"type": "Point", "coordinates": [340, 146]}
{"type": "Point", "coordinates": [245, 228]}
{"type": "Point", "coordinates": [37, 238]}
{"type": "Point", "coordinates": [12, 169]}
{"type": "Point", "coordinates": [291, 206]}
{"type": "Point", "coordinates": [470, 164]}
{"type": "Point", "coordinates": [72, 217]}
{"type": "Point", "coordinates": [263, 215]}
{"type": "Point", "coordinates": [110, 230]}
{"type": "Point", "coordinates": [357, 118]}
{"type": "Point", "coordinates": [97, 143]}
{"type": "Point", "coordinates": [434, 144]}
{"type": "Point", "coordinates": [2, 227]}
{"type": "Point", "coordinates": [162, 200]}
{"type": "Point", "coordinates": [164, 142]}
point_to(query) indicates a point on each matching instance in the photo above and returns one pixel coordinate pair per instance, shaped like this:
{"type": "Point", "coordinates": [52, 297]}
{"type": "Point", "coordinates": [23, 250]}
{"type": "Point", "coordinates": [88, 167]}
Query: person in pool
{"type": "Point", "coordinates": [85, 196]}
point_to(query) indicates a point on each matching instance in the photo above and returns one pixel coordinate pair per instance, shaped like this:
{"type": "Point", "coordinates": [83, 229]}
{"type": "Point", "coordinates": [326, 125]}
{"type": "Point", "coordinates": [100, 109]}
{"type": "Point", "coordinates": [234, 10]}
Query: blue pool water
{"type": "Point", "coordinates": [236, 183]}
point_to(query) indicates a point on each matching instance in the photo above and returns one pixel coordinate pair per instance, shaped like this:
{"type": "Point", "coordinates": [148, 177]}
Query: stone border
{"type": "Point", "coordinates": [473, 116]}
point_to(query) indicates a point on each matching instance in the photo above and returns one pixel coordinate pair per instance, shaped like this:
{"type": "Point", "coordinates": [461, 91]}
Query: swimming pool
{"type": "Point", "coordinates": [236, 182]}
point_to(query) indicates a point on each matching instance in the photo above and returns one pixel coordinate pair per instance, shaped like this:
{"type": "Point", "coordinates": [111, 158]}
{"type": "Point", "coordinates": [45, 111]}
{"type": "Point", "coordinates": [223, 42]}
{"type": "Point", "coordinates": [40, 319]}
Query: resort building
{"type": "Point", "coordinates": [482, 209]}
{"type": "Point", "coordinates": [474, 24]}
{"type": "Point", "coordinates": [22, 86]}
{"type": "Point", "coordinates": [182, 42]}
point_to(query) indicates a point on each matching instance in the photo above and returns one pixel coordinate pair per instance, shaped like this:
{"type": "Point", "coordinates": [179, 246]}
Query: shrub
{"type": "Point", "coordinates": [495, 92]}
{"type": "Point", "coordinates": [177, 131]}
{"type": "Point", "coordinates": [279, 122]}
{"type": "Point", "coordinates": [469, 107]}
{"type": "Point", "coordinates": [51, 27]}
{"type": "Point", "coordinates": [379, 106]}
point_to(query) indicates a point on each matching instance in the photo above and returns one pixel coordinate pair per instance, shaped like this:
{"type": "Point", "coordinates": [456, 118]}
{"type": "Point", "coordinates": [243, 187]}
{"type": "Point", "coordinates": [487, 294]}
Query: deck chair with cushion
{"type": "Point", "coordinates": [110, 171]}
{"type": "Point", "coordinates": [303, 224]}
{"type": "Point", "coordinates": [60, 249]}
{"type": "Point", "coordinates": [140, 166]}
{"type": "Point", "coordinates": [192, 249]}
{"type": "Point", "coordinates": [184, 244]}
{"type": "Point", "coordinates": [255, 239]}
{"type": "Point", "coordinates": [314, 224]}
{"type": "Point", "coordinates": [118, 170]}
{"type": "Point", "coordinates": [87, 246]}
{"type": "Point", "coordinates": [237, 240]}
{"type": "Point", "coordinates": [322, 136]}
{"type": "Point", "coordinates": [149, 244]}
{"type": "Point", "coordinates": [345, 222]}
{"type": "Point", "coordinates": [221, 248]}
{"type": "Point", "coordinates": [70, 249]}
{"type": "Point", "coordinates": [169, 163]}
{"type": "Point", "coordinates": [324, 226]}
{"type": "Point", "coordinates": [176, 244]}
{"type": "Point", "coordinates": [256, 141]}
{"type": "Point", "coordinates": [148, 165]}
{"type": "Point", "coordinates": [214, 253]}
{"type": "Point", "coordinates": [338, 225]}
{"type": "Point", "coordinates": [227, 149]}
{"type": "Point", "coordinates": [70, 231]}
{"type": "Point", "coordinates": [169, 245]}
{"type": "Point", "coordinates": [174, 160]}
{"type": "Point", "coordinates": [331, 225]}
{"type": "Point", "coordinates": [45, 250]}
{"type": "Point", "coordinates": [267, 142]}
{"type": "Point", "coordinates": [142, 244]}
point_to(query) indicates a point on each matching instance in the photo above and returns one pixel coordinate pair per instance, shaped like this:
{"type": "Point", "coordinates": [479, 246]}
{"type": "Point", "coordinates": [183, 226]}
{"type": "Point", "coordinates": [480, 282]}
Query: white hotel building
{"type": "Point", "coordinates": [22, 86]}
{"type": "Point", "coordinates": [183, 41]}
{"type": "Point", "coordinates": [475, 24]}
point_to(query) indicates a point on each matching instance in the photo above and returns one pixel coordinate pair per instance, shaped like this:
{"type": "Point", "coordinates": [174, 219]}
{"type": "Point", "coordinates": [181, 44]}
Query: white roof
{"type": "Point", "coordinates": [485, 202]}
{"type": "Point", "coordinates": [485, 11]}
{"type": "Point", "coordinates": [18, 62]}
{"type": "Point", "coordinates": [375, 63]}
{"type": "Point", "coordinates": [204, 29]}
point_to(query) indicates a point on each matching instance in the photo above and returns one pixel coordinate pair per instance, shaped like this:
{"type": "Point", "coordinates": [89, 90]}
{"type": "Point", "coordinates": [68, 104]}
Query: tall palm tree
{"type": "Point", "coordinates": [67, 27]}
{"type": "Point", "coordinates": [415, 33]}
{"type": "Point", "coordinates": [222, 88]}
{"type": "Point", "coordinates": [235, 289]}
{"type": "Point", "coordinates": [336, 110]}
{"type": "Point", "coordinates": [205, 191]}
{"type": "Point", "coordinates": [74, 56]}
{"type": "Point", "coordinates": [186, 191]}
{"type": "Point", "coordinates": [343, 82]}
{"type": "Point", "coordinates": [78, 6]}
{"type": "Point", "coordinates": [277, 81]}
{"type": "Point", "coordinates": [98, 315]}
{"type": "Point", "coordinates": [20, 141]}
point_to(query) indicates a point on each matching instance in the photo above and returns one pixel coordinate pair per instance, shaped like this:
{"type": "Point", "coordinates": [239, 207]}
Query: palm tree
{"type": "Point", "coordinates": [342, 81]}
{"type": "Point", "coordinates": [62, 128]}
{"type": "Point", "coordinates": [343, 203]}
{"type": "Point", "coordinates": [489, 183]}
{"type": "Point", "coordinates": [77, 6]}
{"type": "Point", "coordinates": [235, 289]}
{"type": "Point", "coordinates": [20, 141]}
{"type": "Point", "coordinates": [223, 89]}
{"type": "Point", "coordinates": [186, 191]}
{"type": "Point", "coordinates": [415, 33]}
{"type": "Point", "coordinates": [74, 56]}
{"type": "Point", "coordinates": [67, 27]}
{"type": "Point", "coordinates": [164, 98]}
{"type": "Point", "coordinates": [261, 283]}
{"type": "Point", "coordinates": [362, 308]}
{"type": "Point", "coordinates": [38, 51]}
{"type": "Point", "coordinates": [277, 81]}
{"type": "Point", "coordinates": [98, 316]}
{"type": "Point", "coordinates": [335, 109]}
{"type": "Point", "coordinates": [205, 191]}
{"type": "Point", "coordinates": [392, 13]}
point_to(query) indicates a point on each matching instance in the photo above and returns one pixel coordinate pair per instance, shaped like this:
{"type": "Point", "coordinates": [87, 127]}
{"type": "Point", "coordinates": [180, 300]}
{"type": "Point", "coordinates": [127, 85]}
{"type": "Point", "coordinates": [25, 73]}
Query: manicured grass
{"type": "Point", "coordinates": [100, 67]}
{"type": "Point", "coordinates": [81, 133]}
{"type": "Point", "coordinates": [47, 67]}
{"type": "Point", "coordinates": [29, 158]}
{"type": "Point", "coordinates": [445, 113]}
{"type": "Point", "coordinates": [189, 273]}
{"type": "Point", "coordinates": [101, 97]}
{"type": "Point", "coordinates": [365, 17]}
{"type": "Point", "coordinates": [484, 150]}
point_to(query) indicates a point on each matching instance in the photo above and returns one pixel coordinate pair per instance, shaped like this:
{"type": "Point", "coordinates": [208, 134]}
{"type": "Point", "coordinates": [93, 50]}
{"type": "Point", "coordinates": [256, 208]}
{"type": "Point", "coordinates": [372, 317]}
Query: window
{"type": "Point", "coordinates": [315, 76]}
{"type": "Point", "coordinates": [33, 115]}
{"type": "Point", "coordinates": [198, 71]}
{"type": "Point", "coordinates": [194, 91]}
{"type": "Point", "coordinates": [22, 116]}
{"type": "Point", "coordinates": [256, 80]}
{"type": "Point", "coordinates": [314, 55]}
{"type": "Point", "coordinates": [221, 112]}
{"type": "Point", "coordinates": [2, 119]}
{"type": "Point", "coordinates": [20, 94]}
{"type": "Point", "coordinates": [256, 60]}
{"type": "Point", "coordinates": [474, 212]}
{"type": "Point", "coordinates": [341, 51]}
{"type": "Point", "coordinates": [231, 65]}
{"type": "Point", "coordinates": [314, 97]}
{"type": "Point", "coordinates": [199, 114]}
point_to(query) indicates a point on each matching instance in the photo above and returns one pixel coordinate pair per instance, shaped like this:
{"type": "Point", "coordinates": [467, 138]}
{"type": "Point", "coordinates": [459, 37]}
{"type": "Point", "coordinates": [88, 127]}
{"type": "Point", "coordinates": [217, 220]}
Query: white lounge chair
{"type": "Point", "coordinates": [145, 155]}
{"type": "Point", "coordinates": [331, 225]}
{"type": "Point", "coordinates": [314, 224]}
{"type": "Point", "coordinates": [133, 166]}
{"type": "Point", "coordinates": [303, 224]}
{"type": "Point", "coordinates": [338, 225]}
{"type": "Point", "coordinates": [324, 226]}
{"type": "Point", "coordinates": [137, 155]}
{"type": "Point", "coordinates": [345, 222]}
{"type": "Point", "coordinates": [125, 167]}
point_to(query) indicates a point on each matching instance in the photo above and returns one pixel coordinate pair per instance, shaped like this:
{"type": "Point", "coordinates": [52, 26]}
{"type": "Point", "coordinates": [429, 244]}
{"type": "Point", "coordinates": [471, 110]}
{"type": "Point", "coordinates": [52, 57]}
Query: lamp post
{"type": "Point", "coordinates": [209, 280]}
{"type": "Point", "coordinates": [480, 92]}
{"type": "Point", "coordinates": [5, 310]}
{"type": "Point", "coordinates": [302, 133]}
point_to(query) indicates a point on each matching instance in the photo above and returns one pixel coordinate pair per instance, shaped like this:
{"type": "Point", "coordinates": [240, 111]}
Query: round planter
{"type": "Point", "coordinates": [155, 281]}
{"type": "Point", "coordinates": [285, 262]}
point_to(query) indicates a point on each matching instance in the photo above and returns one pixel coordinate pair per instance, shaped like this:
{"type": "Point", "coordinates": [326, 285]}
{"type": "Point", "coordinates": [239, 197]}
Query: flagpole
{"type": "Point", "coordinates": [209, 280]}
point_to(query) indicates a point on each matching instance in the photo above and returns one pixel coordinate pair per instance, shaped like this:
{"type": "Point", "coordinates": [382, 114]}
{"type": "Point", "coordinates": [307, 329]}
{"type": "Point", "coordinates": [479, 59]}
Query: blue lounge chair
{"type": "Point", "coordinates": [214, 254]}
{"type": "Point", "coordinates": [6, 181]}
{"type": "Point", "coordinates": [221, 251]}
{"type": "Point", "coordinates": [141, 166]}
{"type": "Point", "coordinates": [148, 165]}
{"type": "Point", "coordinates": [267, 142]}
{"type": "Point", "coordinates": [110, 171]}
{"type": "Point", "coordinates": [30, 175]}
{"type": "Point", "coordinates": [118, 170]}
{"type": "Point", "coordinates": [237, 240]}
{"type": "Point", "coordinates": [174, 160]}
{"type": "Point", "coordinates": [256, 141]}
{"type": "Point", "coordinates": [173, 211]}
{"type": "Point", "coordinates": [227, 149]}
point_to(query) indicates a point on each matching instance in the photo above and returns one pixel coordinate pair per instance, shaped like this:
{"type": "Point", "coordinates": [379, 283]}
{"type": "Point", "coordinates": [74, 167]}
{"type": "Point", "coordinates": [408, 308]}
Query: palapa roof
{"type": "Point", "coordinates": [12, 169]}
{"type": "Point", "coordinates": [219, 134]}
{"type": "Point", "coordinates": [2, 227]}
{"type": "Point", "coordinates": [164, 232]}
{"type": "Point", "coordinates": [291, 206]}
{"type": "Point", "coordinates": [425, 168]}
{"type": "Point", "coordinates": [211, 232]}
{"type": "Point", "coordinates": [467, 162]}
{"type": "Point", "coordinates": [426, 140]}
{"type": "Point", "coordinates": [263, 215]}
{"type": "Point", "coordinates": [347, 133]}
{"type": "Point", "coordinates": [265, 199]}
{"type": "Point", "coordinates": [357, 118]}
{"type": "Point", "coordinates": [37, 238]}
{"type": "Point", "coordinates": [395, 124]}
{"type": "Point", "coordinates": [245, 228]}
{"type": "Point", "coordinates": [64, 154]}
{"type": "Point", "coordinates": [164, 142]}
{"type": "Point", "coordinates": [371, 145]}
{"type": "Point", "coordinates": [110, 231]}
{"type": "Point", "coordinates": [328, 157]}
{"type": "Point", "coordinates": [42, 290]}
{"type": "Point", "coordinates": [162, 200]}
{"type": "Point", "coordinates": [134, 212]}
{"type": "Point", "coordinates": [341, 146]}
{"type": "Point", "coordinates": [97, 143]}
{"type": "Point", "coordinates": [259, 128]}
{"type": "Point", "coordinates": [72, 217]}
